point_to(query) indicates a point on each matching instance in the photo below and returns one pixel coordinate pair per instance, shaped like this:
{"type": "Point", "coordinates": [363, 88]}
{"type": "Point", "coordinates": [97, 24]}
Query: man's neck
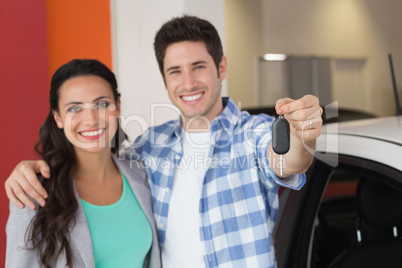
{"type": "Point", "coordinates": [202, 123]}
{"type": "Point", "coordinates": [195, 125]}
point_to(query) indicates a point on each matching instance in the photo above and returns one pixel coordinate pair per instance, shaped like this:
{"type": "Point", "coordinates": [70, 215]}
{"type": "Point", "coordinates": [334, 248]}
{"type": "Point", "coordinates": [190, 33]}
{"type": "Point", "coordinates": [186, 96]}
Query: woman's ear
{"type": "Point", "coordinates": [118, 104]}
{"type": "Point", "coordinates": [57, 119]}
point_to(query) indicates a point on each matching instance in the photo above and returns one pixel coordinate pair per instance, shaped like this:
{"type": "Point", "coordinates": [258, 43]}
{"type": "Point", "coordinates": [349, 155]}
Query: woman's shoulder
{"type": "Point", "coordinates": [131, 168]}
{"type": "Point", "coordinates": [20, 218]}
{"type": "Point", "coordinates": [17, 254]}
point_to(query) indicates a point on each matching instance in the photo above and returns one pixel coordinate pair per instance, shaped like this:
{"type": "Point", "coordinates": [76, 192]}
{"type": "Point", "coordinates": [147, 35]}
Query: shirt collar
{"type": "Point", "coordinates": [177, 130]}
{"type": "Point", "coordinates": [229, 117]}
{"type": "Point", "coordinates": [227, 120]}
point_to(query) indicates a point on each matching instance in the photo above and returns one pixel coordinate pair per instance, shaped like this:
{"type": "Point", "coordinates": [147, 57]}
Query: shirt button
{"type": "Point", "coordinates": [161, 225]}
{"type": "Point", "coordinates": [178, 157]}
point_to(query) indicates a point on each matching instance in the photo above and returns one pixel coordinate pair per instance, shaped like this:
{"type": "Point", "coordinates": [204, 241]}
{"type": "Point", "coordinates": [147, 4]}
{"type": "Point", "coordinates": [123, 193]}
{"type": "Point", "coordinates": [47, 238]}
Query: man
{"type": "Point", "coordinates": [212, 172]}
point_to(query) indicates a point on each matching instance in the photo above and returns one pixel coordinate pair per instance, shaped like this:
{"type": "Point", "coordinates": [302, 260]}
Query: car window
{"type": "Point", "coordinates": [319, 223]}
{"type": "Point", "coordinates": [346, 220]}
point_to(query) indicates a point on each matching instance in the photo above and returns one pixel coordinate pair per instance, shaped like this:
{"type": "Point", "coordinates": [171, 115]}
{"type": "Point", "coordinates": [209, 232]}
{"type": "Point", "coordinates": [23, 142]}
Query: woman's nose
{"type": "Point", "coordinates": [90, 115]}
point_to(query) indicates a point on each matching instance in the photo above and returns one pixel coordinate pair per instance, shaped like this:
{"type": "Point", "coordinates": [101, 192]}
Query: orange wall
{"type": "Point", "coordinates": [78, 29]}
{"type": "Point", "coordinates": [36, 38]}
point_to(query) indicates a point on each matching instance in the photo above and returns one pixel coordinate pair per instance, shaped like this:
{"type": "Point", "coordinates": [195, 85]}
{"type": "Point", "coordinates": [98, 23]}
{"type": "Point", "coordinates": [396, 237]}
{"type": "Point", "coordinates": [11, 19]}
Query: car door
{"type": "Point", "coordinates": [320, 222]}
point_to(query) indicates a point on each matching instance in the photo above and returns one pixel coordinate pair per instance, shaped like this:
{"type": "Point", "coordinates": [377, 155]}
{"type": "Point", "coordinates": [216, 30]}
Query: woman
{"type": "Point", "coordinates": [99, 210]}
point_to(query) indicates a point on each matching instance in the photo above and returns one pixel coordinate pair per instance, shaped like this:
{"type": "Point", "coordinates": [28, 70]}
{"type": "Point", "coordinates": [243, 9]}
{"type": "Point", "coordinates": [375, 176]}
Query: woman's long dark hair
{"type": "Point", "coordinates": [48, 230]}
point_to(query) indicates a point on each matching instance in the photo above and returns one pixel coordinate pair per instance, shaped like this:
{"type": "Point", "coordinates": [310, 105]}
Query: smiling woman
{"type": "Point", "coordinates": [87, 112]}
{"type": "Point", "coordinates": [98, 212]}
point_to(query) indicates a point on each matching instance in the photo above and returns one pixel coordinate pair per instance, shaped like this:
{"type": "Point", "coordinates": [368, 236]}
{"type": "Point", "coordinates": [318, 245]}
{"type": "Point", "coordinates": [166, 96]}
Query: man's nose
{"type": "Point", "coordinates": [189, 80]}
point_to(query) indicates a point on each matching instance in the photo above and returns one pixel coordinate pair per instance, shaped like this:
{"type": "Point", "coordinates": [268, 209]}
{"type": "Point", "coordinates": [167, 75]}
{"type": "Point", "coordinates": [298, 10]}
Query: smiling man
{"type": "Point", "coordinates": [213, 173]}
{"type": "Point", "coordinates": [193, 81]}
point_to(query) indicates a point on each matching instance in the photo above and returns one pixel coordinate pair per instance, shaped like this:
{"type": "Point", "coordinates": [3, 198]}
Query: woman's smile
{"type": "Point", "coordinates": [92, 134]}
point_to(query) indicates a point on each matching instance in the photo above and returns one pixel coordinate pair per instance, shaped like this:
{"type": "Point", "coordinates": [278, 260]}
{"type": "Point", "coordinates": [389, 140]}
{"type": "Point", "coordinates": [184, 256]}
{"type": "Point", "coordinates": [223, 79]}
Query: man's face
{"type": "Point", "coordinates": [192, 80]}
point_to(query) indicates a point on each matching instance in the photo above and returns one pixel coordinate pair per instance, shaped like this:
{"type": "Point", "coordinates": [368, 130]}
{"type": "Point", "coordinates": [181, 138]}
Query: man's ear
{"type": "Point", "coordinates": [164, 79]}
{"type": "Point", "coordinates": [57, 119]}
{"type": "Point", "coordinates": [222, 68]}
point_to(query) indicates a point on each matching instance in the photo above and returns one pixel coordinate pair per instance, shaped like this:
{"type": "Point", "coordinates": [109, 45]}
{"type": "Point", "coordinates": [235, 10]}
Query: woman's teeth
{"type": "Point", "coordinates": [92, 133]}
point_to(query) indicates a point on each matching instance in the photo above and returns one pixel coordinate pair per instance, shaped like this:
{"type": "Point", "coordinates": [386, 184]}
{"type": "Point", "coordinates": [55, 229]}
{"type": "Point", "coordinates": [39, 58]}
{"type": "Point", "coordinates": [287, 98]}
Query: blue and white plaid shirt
{"type": "Point", "coordinates": [239, 198]}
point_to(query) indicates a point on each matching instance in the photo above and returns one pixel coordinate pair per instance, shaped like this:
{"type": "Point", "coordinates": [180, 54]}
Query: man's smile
{"type": "Point", "coordinates": [194, 97]}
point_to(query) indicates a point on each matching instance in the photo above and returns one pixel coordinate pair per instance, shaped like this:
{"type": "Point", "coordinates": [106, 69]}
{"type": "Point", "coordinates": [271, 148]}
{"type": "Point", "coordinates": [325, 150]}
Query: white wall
{"type": "Point", "coordinates": [134, 24]}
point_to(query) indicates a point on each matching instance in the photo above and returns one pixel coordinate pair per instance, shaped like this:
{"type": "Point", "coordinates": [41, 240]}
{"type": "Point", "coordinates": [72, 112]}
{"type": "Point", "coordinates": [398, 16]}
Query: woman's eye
{"type": "Point", "coordinates": [74, 109]}
{"type": "Point", "coordinates": [103, 104]}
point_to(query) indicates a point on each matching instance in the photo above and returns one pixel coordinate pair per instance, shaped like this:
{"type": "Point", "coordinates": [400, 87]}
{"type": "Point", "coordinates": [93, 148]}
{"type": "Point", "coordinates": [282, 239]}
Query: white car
{"type": "Point", "coordinates": [349, 213]}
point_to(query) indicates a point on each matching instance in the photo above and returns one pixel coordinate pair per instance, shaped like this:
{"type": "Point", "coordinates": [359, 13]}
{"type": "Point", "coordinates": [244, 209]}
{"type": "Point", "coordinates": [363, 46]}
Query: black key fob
{"type": "Point", "coordinates": [280, 135]}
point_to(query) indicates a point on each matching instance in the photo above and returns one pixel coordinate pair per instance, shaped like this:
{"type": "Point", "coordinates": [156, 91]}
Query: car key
{"type": "Point", "coordinates": [281, 138]}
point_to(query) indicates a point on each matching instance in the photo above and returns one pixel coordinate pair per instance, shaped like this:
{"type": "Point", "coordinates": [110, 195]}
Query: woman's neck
{"type": "Point", "coordinates": [95, 167]}
{"type": "Point", "coordinates": [97, 179]}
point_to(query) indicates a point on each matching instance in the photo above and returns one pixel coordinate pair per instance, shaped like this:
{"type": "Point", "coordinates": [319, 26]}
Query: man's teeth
{"type": "Point", "coordinates": [92, 133]}
{"type": "Point", "coordinates": [192, 97]}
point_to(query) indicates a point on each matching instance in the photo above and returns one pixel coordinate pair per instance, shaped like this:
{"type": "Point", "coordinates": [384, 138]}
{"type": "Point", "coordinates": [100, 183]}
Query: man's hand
{"type": "Point", "coordinates": [23, 182]}
{"type": "Point", "coordinates": [304, 117]}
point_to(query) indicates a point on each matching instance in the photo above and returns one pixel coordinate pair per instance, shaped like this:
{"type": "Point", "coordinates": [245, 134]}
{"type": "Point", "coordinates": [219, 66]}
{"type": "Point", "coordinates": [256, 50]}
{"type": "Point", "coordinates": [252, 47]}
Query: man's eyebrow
{"type": "Point", "coordinates": [77, 102]}
{"type": "Point", "coordinates": [199, 62]}
{"type": "Point", "coordinates": [172, 68]}
{"type": "Point", "coordinates": [192, 64]}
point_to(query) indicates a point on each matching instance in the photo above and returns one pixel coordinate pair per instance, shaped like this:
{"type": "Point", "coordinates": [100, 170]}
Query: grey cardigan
{"type": "Point", "coordinates": [80, 241]}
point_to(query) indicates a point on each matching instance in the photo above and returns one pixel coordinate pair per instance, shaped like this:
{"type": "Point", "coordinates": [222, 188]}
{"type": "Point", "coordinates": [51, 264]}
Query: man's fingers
{"type": "Point", "coordinates": [308, 135]}
{"type": "Point", "coordinates": [303, 115]}
{"type": "Point", "coordinates": [31, 185]}
{"type": "Point", "coordinates": [280, 103]}
{"type": "Point", "coordinates": [42, 167]}
{"type": "Point", "coordinates": [23, 183]}
{"type": "Point", "coordinates": [17, 195]}
{"type": "Point", "coordinates": [10, 194]}
{"type": "Point", "coordinates": [29, 180]}
{"type": "Point", "coordinates": [287, 105]}
{"type": "Point", "coordinates": [308, 124]}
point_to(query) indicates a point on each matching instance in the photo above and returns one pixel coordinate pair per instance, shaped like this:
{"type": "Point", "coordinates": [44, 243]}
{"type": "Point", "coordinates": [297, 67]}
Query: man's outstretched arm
{"type": "Point", "coordinates": [304, 117]}
{"type": "Point", "coordinates": [23, 181]}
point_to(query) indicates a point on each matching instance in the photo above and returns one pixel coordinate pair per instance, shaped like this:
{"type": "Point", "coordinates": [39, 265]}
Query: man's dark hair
{"type": "Point", "coordinates": [187, 28]}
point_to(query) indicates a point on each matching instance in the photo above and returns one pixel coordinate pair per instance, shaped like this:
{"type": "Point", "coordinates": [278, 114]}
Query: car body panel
{"type": "Point", "coordinates": [378, 139]}
{"type": "Point", "coordinates": [383, 128]}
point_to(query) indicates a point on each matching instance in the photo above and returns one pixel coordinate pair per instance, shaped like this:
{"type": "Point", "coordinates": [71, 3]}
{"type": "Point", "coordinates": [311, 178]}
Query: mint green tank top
{"type": "Point", "coordinates": [121, 234]}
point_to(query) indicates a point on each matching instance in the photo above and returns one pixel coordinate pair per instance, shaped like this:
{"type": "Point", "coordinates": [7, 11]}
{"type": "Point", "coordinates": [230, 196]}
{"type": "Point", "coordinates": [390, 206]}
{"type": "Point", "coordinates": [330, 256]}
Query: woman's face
{"type": "Point", "coordinates": [87, 113]}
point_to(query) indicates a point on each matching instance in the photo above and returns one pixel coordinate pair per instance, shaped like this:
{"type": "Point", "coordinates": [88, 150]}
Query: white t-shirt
{"type": "Point", "coordinates": [183, 247]}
